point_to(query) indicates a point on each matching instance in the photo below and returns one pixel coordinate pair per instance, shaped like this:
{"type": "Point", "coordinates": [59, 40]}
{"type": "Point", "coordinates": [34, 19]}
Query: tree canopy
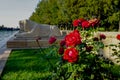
{"type": "Point", "coordinates": [65, 11]}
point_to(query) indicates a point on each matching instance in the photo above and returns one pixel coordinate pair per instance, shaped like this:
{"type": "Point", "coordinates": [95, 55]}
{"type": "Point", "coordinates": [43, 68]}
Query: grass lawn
{"type": "Point", "coordinates": [34, 64]}
{"type": "Point", "coordinates": [31, 64]}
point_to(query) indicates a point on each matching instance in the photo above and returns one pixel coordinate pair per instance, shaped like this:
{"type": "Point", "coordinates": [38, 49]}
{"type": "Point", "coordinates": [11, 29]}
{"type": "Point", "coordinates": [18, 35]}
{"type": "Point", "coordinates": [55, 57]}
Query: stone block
{"type": "Point", "coordinates": [17, 44]}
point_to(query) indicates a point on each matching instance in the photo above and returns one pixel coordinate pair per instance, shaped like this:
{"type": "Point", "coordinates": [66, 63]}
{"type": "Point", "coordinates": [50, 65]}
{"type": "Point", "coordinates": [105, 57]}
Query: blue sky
{"type": "Point", "coordinates": [12, 11]}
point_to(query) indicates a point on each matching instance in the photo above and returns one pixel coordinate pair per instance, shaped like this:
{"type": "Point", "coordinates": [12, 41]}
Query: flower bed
{"type": "Point", "coordinates": [80, 53]}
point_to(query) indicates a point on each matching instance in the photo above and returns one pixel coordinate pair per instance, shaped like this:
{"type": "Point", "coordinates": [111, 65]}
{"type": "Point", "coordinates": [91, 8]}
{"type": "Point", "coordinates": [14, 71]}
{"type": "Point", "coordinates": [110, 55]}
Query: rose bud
{"type": "Point", "coordinates": [102, 36]}
{"type": "Point", "coordinates": [62, 42]}
{"type": "Point", "coordinates": [118, 36]}
{"type": "Point", "coordinates": [61, 50]}
{"type": "Point", "coordinates": [52, 40]}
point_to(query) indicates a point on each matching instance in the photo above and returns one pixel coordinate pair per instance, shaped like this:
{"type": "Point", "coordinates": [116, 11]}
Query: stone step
{"type": "Point", "coordinates": [29, 43]}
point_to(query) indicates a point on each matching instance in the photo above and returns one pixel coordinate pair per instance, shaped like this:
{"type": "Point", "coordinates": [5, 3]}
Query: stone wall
{"type": "Point", "coordinates": [110, 39]}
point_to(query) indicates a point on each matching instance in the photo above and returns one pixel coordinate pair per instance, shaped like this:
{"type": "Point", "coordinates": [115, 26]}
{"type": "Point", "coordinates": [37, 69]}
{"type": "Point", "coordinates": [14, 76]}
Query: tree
{"type": "Point", "coordinates": [65, 11]}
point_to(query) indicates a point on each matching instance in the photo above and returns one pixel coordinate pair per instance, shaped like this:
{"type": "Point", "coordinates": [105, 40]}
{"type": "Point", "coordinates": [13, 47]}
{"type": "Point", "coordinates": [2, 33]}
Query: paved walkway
{"type": "Point", "coordinates": [4, 54]}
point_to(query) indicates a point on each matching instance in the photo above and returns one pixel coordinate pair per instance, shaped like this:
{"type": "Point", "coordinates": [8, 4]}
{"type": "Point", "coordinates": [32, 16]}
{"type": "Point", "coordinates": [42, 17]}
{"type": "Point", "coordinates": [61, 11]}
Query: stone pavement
{"type": "Point", "coordinates": [4, 54]}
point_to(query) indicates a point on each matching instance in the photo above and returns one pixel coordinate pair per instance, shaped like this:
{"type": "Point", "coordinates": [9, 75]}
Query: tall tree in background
{"type": "Point", "coordinates": [65, 11]}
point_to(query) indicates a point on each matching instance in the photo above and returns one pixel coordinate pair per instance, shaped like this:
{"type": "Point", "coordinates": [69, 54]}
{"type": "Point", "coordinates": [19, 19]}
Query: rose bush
{"type": "Point", "coordinates": [79, 54]}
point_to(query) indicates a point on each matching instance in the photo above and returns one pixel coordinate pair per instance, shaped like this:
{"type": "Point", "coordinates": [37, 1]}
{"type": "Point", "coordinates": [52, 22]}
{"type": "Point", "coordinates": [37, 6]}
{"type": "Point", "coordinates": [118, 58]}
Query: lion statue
{"type": "Point", "coordinates": [30, 28]}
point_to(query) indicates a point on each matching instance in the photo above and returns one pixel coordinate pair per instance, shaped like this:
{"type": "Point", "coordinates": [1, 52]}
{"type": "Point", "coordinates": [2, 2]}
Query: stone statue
{"type": "Point", "coordinates": [29, 28]}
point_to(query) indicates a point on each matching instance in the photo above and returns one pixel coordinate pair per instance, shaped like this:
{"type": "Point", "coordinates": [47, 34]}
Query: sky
{"type": "Point", "coordinates": [12, 11]}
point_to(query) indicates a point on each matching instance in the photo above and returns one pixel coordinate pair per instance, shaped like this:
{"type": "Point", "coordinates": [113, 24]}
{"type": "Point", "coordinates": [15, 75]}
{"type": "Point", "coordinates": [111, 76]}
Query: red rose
{"type": "Point", "coordinates": [81, 20]}
{"type": "Point", "coordinates": [62, 42]}
{"type": "Point", "coordinates": [76, 23]}
{"type": "Point", "coordinates": [85, 24]}
{"type": "Point", "coordinates": [61, 50]}
{"type": "Point", "coordinates": [94, 22]}
{"type": "Point", "coordinates": [102, 36]}
{"type": "Point", "coordinates": [71, 55]}
{"type": "Point", "coordinates": [73, 38]}
{"type": "Point", "coordinates": [77, 34]}
{"type": "Point", "coordinates": [118, 36]}
{"type": "Point", "coordinates": [52, 40]}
